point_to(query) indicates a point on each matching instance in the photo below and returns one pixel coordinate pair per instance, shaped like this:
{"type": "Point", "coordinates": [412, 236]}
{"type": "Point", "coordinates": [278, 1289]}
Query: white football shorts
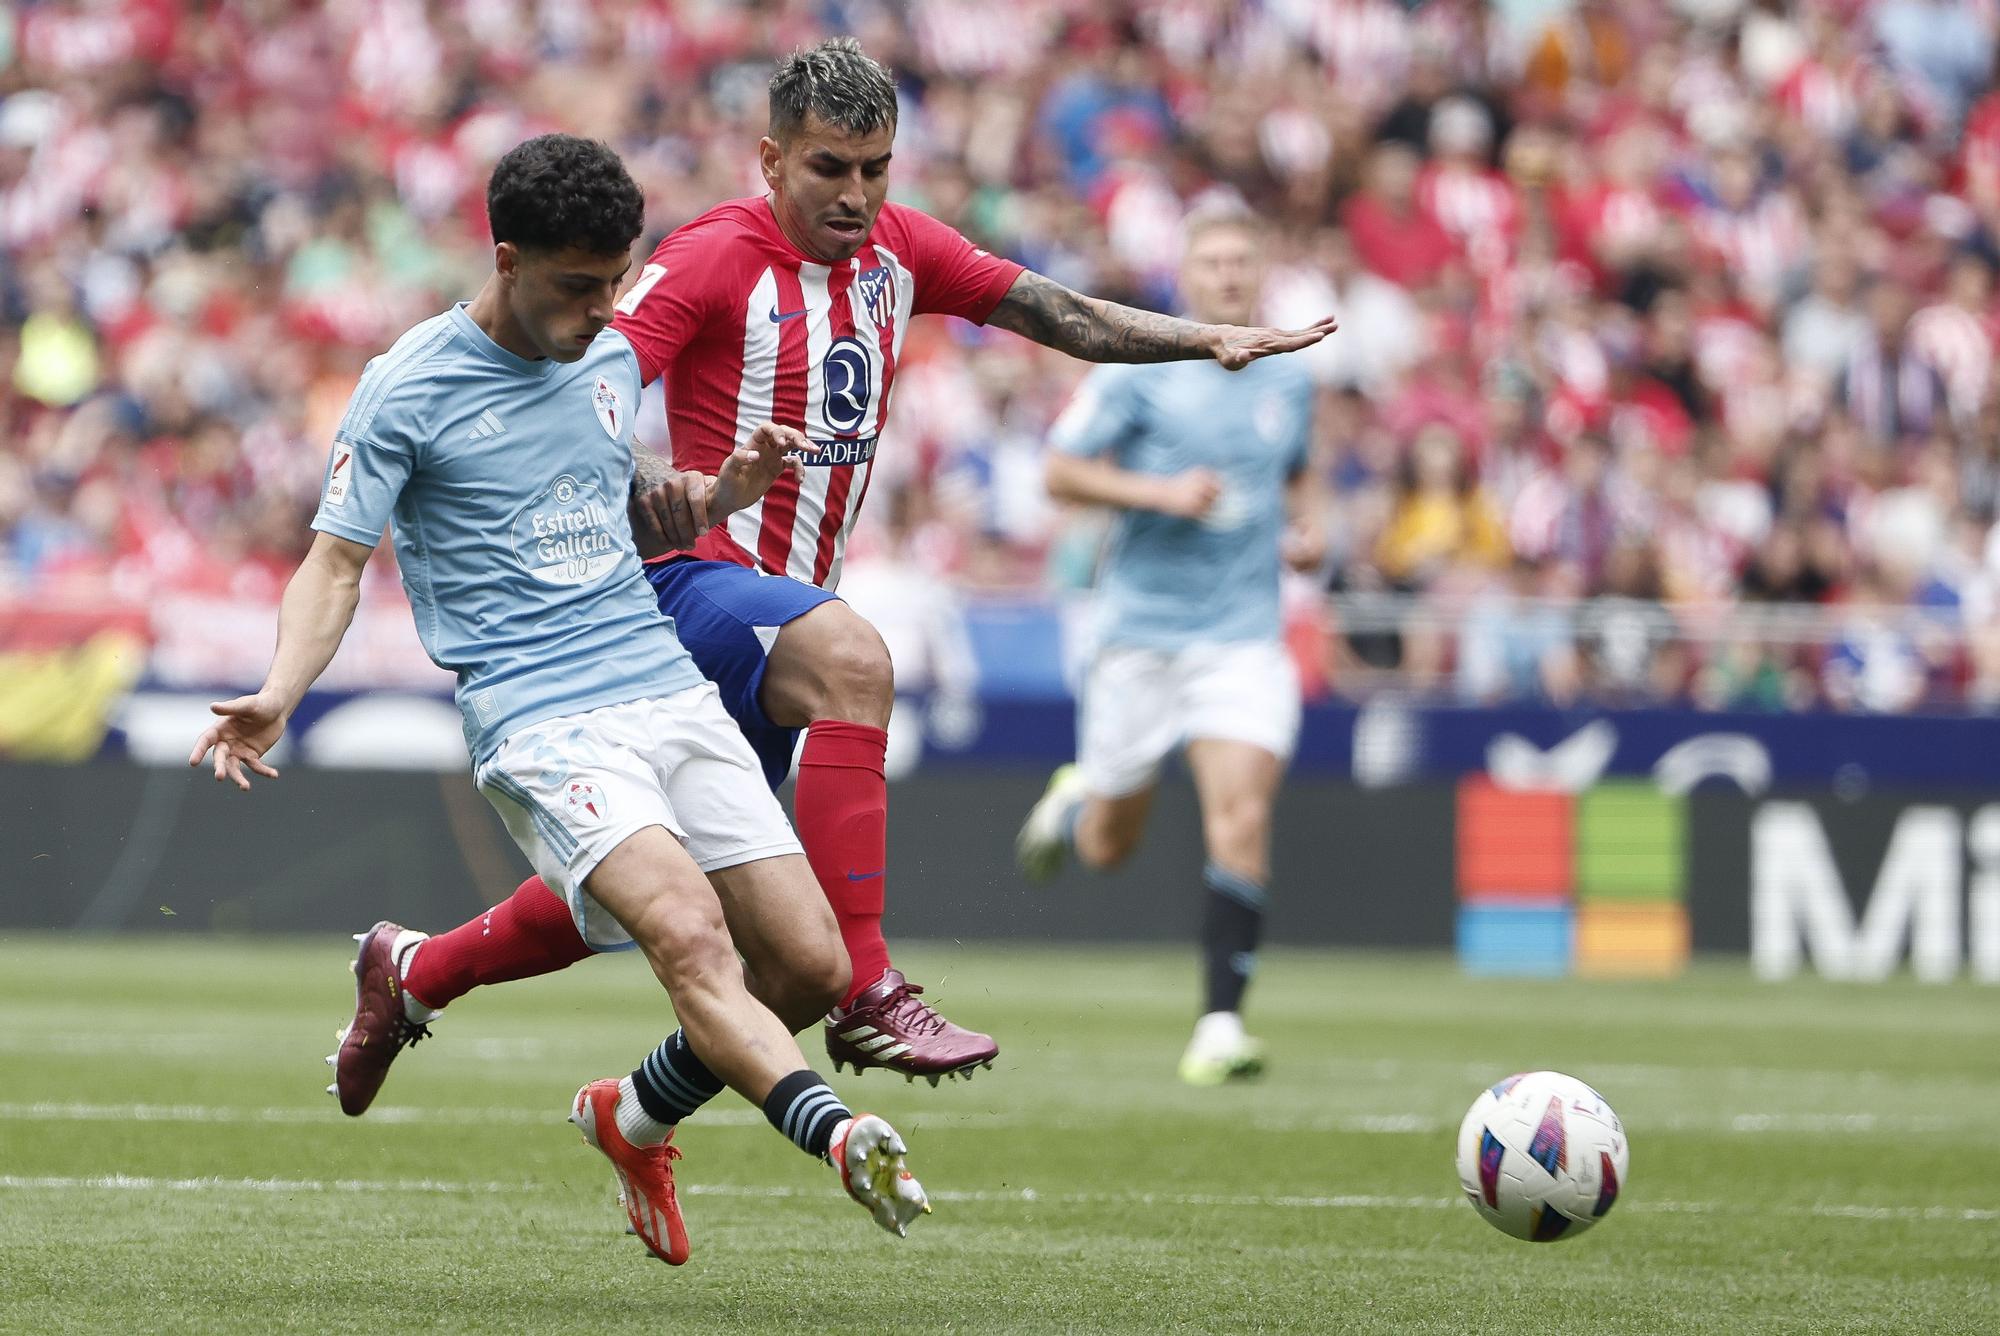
{"type": "Point", "coordinates": [1139, 704]}
{"type": "Point", "coordinates": [574, 788]}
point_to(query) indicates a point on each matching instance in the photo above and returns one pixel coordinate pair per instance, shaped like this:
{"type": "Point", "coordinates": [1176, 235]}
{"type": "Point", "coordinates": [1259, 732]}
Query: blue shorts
{"type": "Point", "coordinates": [728, 617]}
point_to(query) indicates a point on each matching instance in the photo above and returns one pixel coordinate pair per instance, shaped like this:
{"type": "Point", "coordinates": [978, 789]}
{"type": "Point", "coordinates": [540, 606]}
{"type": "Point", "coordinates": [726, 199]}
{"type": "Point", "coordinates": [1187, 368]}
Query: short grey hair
{"type": "Point", "coordinates": [836, 81]}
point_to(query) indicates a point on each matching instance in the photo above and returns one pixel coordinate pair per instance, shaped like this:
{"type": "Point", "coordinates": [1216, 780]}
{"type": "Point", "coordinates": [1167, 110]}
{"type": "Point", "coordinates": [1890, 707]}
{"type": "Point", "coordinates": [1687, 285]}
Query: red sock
{"type": "Point", "coordinates": [528, 933]}
{"type": "Point", "coordinates": [841, 807]}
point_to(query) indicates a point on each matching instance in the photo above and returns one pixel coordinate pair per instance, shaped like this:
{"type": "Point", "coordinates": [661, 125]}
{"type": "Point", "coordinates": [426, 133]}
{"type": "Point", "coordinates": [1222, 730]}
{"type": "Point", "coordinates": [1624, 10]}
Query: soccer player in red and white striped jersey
{"type": "Point", "coordinates": [791, 308]}
{"type": "Point", "coordinates": [746, 327]}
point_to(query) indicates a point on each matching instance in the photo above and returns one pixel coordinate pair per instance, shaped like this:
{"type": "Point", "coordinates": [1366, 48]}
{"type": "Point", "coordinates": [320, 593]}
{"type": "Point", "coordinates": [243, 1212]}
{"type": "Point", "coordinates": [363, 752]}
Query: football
{"type": "Point", "coordinates": [1541, 1156]}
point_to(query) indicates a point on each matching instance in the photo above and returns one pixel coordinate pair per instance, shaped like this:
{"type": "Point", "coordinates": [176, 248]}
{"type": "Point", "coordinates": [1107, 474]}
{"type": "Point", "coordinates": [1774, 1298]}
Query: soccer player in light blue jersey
{"type": "Point", "coordinates": [1209, 473]}
{"type": "Point", "coordinates": [496, 440]}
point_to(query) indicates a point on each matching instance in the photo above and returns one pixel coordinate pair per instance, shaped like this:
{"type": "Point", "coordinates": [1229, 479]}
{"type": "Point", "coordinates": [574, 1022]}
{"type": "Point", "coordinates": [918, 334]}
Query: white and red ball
{"type": "Point", "coordinates": [1541, 1156]}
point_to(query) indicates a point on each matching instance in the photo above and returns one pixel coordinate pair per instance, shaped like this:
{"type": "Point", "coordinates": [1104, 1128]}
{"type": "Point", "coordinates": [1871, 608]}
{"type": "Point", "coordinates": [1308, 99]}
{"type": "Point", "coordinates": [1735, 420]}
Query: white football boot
{"type": "Point", "coordinates": [1220, 1052]}
{"type": "Point", "coordinates": [869, 1156]}
{"type": "Point", "coordinates": [1043, 844]}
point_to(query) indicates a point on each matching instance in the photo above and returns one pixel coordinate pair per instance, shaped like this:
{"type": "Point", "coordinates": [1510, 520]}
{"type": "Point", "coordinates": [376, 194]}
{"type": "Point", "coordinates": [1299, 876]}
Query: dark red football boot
{"type": "Point", "coordinates": [381, 1028]}
{"type": "Point", "coordinates": [888, 1027]}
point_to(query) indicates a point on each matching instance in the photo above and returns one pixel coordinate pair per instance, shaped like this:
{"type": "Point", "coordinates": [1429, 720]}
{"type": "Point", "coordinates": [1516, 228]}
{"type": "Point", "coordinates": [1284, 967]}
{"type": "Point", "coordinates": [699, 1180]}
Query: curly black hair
{"type": "Point", "coordinates": [558, 191]}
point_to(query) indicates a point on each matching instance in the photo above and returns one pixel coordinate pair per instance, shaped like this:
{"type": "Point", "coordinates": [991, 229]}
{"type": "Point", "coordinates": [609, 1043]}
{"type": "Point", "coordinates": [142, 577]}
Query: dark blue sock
{"type": "Point", "coordinates": [672, 1082]}
{"type": "Point", "coordinates": [1231, 925]}
{"type": "Point", "coordinates": [804, 1108]}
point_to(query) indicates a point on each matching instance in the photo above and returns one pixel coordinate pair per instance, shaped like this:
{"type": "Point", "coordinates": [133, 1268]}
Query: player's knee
{"type": "Point", "coordinates": [824, 976]}
{"type": "Point", "coordinates": [1239, 830]}
{"type": "Point", "coordinates": [808, 984]}
{"type": "Point", "coordinates": [692, 963]}
{"type": "Point", "coordinates": [1106, 846]}
{"type": "Point", "coordinates": [856, 677]}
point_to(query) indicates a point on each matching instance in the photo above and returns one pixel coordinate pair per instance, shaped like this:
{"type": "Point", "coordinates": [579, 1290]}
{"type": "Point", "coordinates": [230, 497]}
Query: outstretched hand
{"type": "Point", "coordinates": [753, 466]}
{"type": "Point", "coordinates": [681, 505]}
{"type": "Point", "coordinates": [1240, 346]}
{"type": "Point", "coordinates": [249, 727]}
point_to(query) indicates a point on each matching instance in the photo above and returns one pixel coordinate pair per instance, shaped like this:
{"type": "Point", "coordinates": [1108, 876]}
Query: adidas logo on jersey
{"type": "Point", "coordinates": [488, 425]}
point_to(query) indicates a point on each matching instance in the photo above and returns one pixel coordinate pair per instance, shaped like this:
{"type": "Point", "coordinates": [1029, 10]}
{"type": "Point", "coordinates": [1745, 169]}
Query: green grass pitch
{"type": "Point", "coordinates": [1805, 1157]}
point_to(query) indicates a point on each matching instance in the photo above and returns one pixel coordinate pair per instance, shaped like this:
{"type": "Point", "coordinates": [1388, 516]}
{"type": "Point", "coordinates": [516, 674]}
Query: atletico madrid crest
{"type": "Point", "coordinates": [877, 289]}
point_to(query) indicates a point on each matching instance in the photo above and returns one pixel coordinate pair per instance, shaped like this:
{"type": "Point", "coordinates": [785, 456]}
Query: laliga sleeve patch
{"type": "Point", "coordinates": [340, 476]}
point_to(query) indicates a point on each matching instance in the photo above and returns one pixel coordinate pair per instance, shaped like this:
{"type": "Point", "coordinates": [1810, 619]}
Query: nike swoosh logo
{"type": "Point", "coordinates": [777, 319]}
{"type": "Point", "coordinates": [864, 876]}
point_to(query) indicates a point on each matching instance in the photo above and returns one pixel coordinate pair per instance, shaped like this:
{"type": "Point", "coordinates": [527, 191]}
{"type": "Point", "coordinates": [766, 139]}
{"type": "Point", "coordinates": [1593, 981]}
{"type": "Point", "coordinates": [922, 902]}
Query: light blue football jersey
{"type": "Point", "coordinates": [1165, 581]}
{"type": "Point", "coordinates": [506, 480]}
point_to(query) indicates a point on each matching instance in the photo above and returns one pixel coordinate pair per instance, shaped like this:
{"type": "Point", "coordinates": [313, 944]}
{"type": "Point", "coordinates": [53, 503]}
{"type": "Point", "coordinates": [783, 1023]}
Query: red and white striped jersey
{"type": "Point", "coordinates": [1480, 209]}
{"type": "Point", "coordinates": [1759, 243]}
{"type": "Point", "coordinates": [747, 330]}
{"type": "Point", "coordinates": [1960, 345]}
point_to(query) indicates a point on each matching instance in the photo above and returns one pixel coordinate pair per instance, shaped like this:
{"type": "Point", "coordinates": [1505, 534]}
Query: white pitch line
{"type": "Point", "coordinates": [1740, 1124]}
{"type": "Point", "coordinates": [1606, 1076]}
{"type": "Point", "coordinates": [143, 1183]}
{"type": "Point", "coordinates": [1384, 1124]}
{"type": "Point", "coordinates": [202, 1045]}
{"type": "Point", "coordinates": [64, 1111]}
{"type": "Point", "coordinates": [1016, 1196]}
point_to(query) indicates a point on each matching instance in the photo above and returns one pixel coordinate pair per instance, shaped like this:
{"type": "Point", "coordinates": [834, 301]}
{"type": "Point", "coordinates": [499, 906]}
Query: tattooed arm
{"type": "Point", "coordinates": [1099, 331]}
{"type": "Point", "coordinates": [668, 508]}
{"type": "Point", "coordinates": [649, 470]}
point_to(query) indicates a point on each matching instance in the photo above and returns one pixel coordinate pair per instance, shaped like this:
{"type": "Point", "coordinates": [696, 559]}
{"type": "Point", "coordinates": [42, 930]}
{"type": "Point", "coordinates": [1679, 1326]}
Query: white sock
{"type": "Point", "coordinates": [403, 953]}
{"type": "Point", "coordinates": [639, 1127]}
{"type": "Point", "coordinates": [1219, 1029]}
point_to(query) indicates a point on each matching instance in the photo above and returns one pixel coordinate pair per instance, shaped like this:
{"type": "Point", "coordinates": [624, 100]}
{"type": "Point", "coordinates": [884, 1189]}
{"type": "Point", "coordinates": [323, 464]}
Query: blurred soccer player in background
{"type": "Point", "coordinates": [792, 307]}
{"type": "Point", "coordinates": [498, 438]}
{"type": "Point", "coordinates": [1209, 475]}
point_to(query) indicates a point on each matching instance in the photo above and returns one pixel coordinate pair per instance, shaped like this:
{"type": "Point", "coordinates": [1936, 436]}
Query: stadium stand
{"type": "Point", "coordinates": [1666, 369]}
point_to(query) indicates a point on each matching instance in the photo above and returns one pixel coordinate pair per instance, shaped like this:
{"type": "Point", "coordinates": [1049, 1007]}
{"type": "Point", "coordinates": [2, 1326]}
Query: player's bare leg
{"type": "Point", "coordinates": [404, 978]}
{"type": "Point", "coordinates": [653, 889]}
{"type": "Point", "coordinates": [1069, 820]}
{"type": "Point", "coordinates": [655, 892]}
{"type": "Point", "coordinates": [790, 945]}
{"type": "Point", "coordinates": [1236, 783]}
{"type": "Point", "coordinates": [1108, 829]}
{"type": "Point", "coordinates": [829, 673]}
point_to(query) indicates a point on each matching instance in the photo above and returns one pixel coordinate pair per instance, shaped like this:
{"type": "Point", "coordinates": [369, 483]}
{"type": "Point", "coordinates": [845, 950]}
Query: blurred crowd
{"type": "Point", "coordinates": [1653, 313]}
